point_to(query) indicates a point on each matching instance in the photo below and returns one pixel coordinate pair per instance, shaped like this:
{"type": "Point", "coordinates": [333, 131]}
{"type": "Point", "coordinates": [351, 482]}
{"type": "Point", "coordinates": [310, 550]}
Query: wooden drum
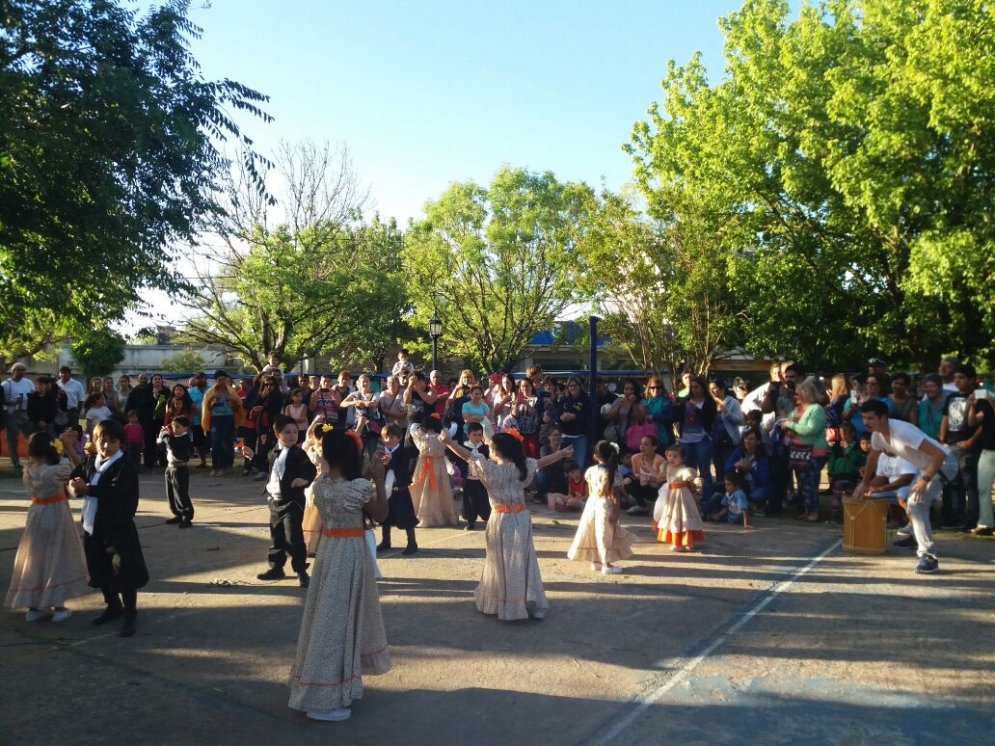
{"type": "Point", "coordinates": [865, 525]}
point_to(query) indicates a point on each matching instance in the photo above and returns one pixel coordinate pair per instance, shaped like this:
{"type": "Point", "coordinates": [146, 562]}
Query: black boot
{"type": "Point", "coordinates": [130, 624]}
{"type": "Point", "coordinates": [385, 542]}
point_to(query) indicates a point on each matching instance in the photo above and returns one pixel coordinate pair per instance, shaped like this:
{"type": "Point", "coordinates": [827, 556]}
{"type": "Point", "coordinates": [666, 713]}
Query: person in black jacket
{"type": "Point", "coordinates": [179, 448]}
{"type": "Point", "coordinates": [290, 471]}
{"type": "Point", "coordinates": [44, 405]}
{"type": "Point", "coordinates": [108, 482]}
{"type": "Point", "coordinates": [400, 468]}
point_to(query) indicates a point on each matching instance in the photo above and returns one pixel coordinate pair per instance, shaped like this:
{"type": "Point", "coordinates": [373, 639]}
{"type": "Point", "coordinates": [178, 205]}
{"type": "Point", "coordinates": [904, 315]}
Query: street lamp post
{"type": "Point", "coordinates": [435, 331]}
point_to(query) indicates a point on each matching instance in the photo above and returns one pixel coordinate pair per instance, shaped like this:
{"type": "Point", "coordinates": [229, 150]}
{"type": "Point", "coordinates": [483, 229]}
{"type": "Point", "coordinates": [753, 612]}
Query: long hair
{"type": "Point", "coordinates": [511, 449]}
{"type": "Point", "coordinates": [605, 455]}
{"type": "Point", "coordinates": [340, 451]}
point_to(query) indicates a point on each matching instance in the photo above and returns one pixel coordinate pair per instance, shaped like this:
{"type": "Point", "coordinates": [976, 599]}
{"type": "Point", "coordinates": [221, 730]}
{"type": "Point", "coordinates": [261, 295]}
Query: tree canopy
{"type": "Point", "coordinates": [111, 143]}
{"type": "Point", "coordinates": [846, 160]}
{"type": "Point", "coordinates": [497, 263]}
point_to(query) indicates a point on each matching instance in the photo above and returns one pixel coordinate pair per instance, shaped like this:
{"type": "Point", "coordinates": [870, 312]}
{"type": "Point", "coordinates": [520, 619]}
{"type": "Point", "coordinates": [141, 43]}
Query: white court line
{"type": "Point", "coordinates": [687, 668]}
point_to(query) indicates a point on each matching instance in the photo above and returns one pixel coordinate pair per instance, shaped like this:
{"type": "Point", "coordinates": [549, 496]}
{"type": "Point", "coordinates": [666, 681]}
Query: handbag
{"type": "Point", "coordinates": [800, 457]}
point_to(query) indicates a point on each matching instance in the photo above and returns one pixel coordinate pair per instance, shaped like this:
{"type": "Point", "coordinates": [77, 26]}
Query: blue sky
{"type": "Point", "coordinates": [430, 92]}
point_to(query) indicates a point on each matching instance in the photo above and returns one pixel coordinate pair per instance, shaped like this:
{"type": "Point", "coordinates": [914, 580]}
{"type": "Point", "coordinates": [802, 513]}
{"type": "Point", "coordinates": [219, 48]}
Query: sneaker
{"type": "Point", "coordinates": [259, 477]}
{"type": "Point", "coordinates": [469, 527]}
{"type": "Point", "coordinates": [61, 615]}
{"type": "Point", "coordinates": [186, 523]}
{"type": "Point", "coordinates": [927, 565]}
{"type": "Point", "coordinates": [611, 570]}
{"type": "Point", "coordinates": [274, 573]}
{"type": "Point", "coordinates": [246, 472]}
{"type": "Point", "coordinates": [908, 542]}
{"type": "Point", "coordinates": [303, 578]}
{"type": "Point", "coordinates": [174, 520]}
{"type": "Point", "coordinates": [637, 510]}
{"type": "Point", "coordinates": [34, 615]}
{"type": "Point", "coordinates": [214, 472]}
{"type": "Point", "coordinates": [334, 716]}
{"type": "Point", "coordinates": [758, 513]}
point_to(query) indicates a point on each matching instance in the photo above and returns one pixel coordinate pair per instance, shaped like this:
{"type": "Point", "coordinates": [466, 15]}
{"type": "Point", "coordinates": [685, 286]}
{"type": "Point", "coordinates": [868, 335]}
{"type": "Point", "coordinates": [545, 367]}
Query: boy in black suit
{"type": "Point", "coordinates": [475, 500]}
{"type": "Point", "coordinates": [108, 482]}
{"type": "Point", "coordinates": [290, 471]}
{"type": "Point", "coordinates": [398, 481]}
{"type": "Point", "coordinates": [179, 447]}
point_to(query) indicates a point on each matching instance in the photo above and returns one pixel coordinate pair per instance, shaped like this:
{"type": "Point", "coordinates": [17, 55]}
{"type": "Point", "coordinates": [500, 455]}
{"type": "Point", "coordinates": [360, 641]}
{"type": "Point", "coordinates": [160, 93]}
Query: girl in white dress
{"type": "Point", "coordinates": [599, 539]}
{"type": "Point", "coordinates": [675, 517]}
{"type": "Point", "coordinates": [49, 566]}
{"type": "Point", "coordinates": [511, 586]}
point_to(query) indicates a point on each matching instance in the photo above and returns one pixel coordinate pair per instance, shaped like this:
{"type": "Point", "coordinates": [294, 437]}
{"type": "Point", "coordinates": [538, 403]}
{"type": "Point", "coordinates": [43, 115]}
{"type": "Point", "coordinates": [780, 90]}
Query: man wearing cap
{"type": "Point", "coordinates": [74, 391]}
{"type": "Point", "coordinates": [876, 366]}
{"type": "Point", "coordinates": [15, 398]}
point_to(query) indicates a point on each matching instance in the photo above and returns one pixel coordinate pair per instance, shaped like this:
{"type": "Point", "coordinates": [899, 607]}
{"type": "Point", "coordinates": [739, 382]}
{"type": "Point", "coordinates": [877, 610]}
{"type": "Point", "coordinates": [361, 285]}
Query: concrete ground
{"type": "Point", "coordinates": [773, 636]}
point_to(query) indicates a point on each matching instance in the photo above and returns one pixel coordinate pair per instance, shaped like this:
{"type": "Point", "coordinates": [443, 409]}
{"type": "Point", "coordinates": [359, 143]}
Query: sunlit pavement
{"type": "Point", "coordinates": [773, 636]}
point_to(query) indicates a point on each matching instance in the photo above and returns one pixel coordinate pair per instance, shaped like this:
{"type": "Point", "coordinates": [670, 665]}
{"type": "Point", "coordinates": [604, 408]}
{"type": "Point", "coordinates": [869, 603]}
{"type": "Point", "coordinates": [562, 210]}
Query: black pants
{"type": "Point", "coordinates": [780, 480]}
{"type": "Point", "coordinates": [960, 499]}
{"type": "Point", "coordinates": [475, 502]}
{"type": "Point", "coordinates": [287, 535]}
{"type": "Point", "coordinates": [178, 491]}
{"type": "Point", "coordinates": [643, 495]}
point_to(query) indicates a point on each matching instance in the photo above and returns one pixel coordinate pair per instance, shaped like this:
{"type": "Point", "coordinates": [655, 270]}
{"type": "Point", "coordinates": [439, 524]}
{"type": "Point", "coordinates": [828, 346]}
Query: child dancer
{"type": "Point", "coordinates": [290, 471]}
{"type": "Point", "coordinates": [511, 585]}
{"type": "Point", "coordinates": [475, 502]}
{"type": "Point", "coordinates": [311, 520]}
{"type": "Point", "coordinates": [178, 443]}
{"type": "Point", "coordinates": [599, 538]}
{"type": "Point", "coordinates": [675, 515]}
{"type": "Point", "coordinates": [576, 494]}
{"type": "Point", "coordinates": [401, 513]}
{"type": "Point", "coordinates": [431, 492]}
{"type": "Point", "coordinates": [49, 566]}
{"type": "Point", "coordinates": [108, 484]}
{"type": "Point", "coordinates": [342, 632]}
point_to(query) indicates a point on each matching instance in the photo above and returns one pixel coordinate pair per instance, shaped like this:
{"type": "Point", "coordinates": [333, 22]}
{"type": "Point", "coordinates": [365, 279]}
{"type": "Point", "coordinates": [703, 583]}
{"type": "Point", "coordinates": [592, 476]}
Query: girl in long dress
{"type": "Point", "coordinates": [342, 633]}
{"type": "Point", "coordinates": [511, 586]}
{"type": "Point", "coordinates": [599, 539]}
{"type": "Point", "coordinates": [49, 566]}
{"type": "Point", "coordinates": [675, 516]}
{"type": "Point", "coordinates": [431, 492]}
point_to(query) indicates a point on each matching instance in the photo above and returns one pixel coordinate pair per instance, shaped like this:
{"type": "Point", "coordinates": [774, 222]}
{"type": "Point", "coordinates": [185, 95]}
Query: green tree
{"type": "Point", "coordinates": [97, 352]}
{"type": "Point", "coordinates": [845, 159]}
{"type": "Point", "coordinates": [321, 282]}
{"type": "Point", "coordinates": [497, 263]}
{"type": "Point", "coordinates": [109, 154]}
{"type": "Point", "coordinates": [187, 361]}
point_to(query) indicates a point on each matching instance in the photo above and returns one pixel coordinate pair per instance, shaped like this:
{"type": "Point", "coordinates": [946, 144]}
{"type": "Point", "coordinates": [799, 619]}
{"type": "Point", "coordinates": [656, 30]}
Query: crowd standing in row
{"type": "Point", "coordinates": [312, 441]}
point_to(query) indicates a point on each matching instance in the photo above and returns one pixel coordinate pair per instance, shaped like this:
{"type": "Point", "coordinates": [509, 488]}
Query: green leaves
{"type": "Point", "coordinates": [497, 263]}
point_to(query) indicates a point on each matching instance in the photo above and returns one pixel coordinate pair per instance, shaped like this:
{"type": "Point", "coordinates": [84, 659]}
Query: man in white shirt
{"type": "Point", "coordinates": [75, 393]}
{"type": "Point", "coordinates": [935, 464]}
{"type": "Point", "coordinates": [15, 398]}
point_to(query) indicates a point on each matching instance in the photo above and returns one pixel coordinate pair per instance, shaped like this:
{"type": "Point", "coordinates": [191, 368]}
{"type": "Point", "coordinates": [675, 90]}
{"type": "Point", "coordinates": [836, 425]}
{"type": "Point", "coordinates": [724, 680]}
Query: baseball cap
{"type": "Point", "coordinates": [18, 366]}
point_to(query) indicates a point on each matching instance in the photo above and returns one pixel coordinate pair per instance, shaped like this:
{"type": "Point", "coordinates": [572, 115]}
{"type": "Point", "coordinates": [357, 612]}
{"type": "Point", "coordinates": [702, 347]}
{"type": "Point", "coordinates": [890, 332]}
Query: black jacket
{"type": "Point", "coordinates": [298, 466]}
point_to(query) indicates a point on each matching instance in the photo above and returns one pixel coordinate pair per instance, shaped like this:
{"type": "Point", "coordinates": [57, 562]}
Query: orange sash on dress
{"type": "Point", "coordinates": [344, 533]}
{"type": "Point", "coordinates": [428, 470]}
{"type": "Point", "coordinates": [677, 485]}
{"type": "Point", "coordinates": [518, 508]}
{"type": "Point", "coordinates": [48, 500]}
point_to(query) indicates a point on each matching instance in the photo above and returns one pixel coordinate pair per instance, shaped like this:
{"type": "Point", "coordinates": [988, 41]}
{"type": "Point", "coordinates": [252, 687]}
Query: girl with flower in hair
{"type": "Point", "coordinates": [49, 567]}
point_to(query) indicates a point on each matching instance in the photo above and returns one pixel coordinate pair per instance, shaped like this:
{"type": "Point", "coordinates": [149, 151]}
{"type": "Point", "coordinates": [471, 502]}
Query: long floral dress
{"type": "Point", "coordinates": [675, 517]}
{"type": "Point", "coordinates": [431, 493]}
{"type": "Point", "coordinates": [49, 566]}
{"type": "Point", "coordinates": [511, 585]}
{"type": "Point", "coordinates": [599, 537]}
{"type": "Point", "coordinates": [342, 632]}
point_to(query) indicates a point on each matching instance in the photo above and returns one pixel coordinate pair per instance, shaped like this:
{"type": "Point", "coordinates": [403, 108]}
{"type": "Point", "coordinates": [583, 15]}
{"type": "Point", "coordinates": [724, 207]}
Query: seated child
{"type": "Point", "coordinates": [843, 464]}
{"type": "Point", "coordinates": [576, 494]}
{"type": "Point", "coordinates": [733, 506]}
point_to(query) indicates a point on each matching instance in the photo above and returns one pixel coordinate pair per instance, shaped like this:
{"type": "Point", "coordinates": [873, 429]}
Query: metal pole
{"type": "Point", "coordinates": [435, 353]}
{"type": "Point", "coordinates": [592, 385]}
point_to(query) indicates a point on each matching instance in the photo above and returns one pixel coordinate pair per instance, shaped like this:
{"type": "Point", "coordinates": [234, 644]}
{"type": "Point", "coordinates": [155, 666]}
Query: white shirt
{"type": "Point", "coordinates": [12, 389]}
{"type": "Point", "coordinates": [74, 392]}
{"type": "Point", "coordinates": [894, 467]}
{"type": "Point", "coordinates": [904, 440]}
{"type": "Point", "coordinates": [276, 473]}
{"type": "Point", "coordinates": [89, 513]}
{"type": "Point", "coordinates": [390, 476]}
